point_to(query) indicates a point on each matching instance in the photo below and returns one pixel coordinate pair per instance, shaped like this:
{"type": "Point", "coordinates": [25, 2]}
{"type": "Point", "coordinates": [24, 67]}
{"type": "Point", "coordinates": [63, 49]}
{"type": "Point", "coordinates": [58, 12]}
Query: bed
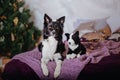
{"type": "Point", "coordinates": [102, 61]}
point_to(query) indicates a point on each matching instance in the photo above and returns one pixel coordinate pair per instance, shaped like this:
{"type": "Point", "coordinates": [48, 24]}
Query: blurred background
{"type": "Point", "coordinates": [74, 10]}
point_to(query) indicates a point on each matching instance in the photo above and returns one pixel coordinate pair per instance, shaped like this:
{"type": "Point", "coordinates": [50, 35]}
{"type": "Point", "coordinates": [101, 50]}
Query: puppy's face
{"type": "Point", "coordinates": [53, 28]}
{"type": "Point", "coordinates": [73, 38]}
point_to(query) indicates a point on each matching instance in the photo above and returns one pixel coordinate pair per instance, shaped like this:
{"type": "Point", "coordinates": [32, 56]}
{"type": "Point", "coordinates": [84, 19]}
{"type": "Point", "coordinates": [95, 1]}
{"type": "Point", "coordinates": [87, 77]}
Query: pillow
{"type": "Point", "coordinates": [118, 30]}
{"type": "Point", "coordinates": [114, 22]}
{"type": "Point", "coordinates": [106, 31]}
{"type": "Point", "coordinates": [99, 28]}
{"type": "Point", "coordinates": [85, 27]}
{"type": "Point", "coordinates": [101, 34]}
{"type": "Point", "coordinates": [93, 36]}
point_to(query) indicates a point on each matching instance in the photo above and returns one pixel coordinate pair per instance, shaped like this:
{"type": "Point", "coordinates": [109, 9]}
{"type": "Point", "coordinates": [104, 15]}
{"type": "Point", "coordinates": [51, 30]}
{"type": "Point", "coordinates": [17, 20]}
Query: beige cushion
{"type": "Point", "coordinates": [85, 27]}
{"type": "Point", "coordinates": [94, 29]}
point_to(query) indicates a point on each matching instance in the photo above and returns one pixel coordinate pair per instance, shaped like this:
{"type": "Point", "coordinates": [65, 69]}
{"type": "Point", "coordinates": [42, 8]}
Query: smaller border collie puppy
{"type": "Point", "coordinates": [75, 47]}
{"type": "Point", "coordinates": [52, 46]}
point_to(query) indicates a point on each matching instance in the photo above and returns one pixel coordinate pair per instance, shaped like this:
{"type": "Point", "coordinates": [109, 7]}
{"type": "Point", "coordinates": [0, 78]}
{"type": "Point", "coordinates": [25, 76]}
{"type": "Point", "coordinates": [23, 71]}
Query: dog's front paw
{"type": "Point", "coordinates": [45, 70]}
{"type": "Point", "coordinates": [56, 73]}
{"type": "Point", "coordinates": [68, 56]}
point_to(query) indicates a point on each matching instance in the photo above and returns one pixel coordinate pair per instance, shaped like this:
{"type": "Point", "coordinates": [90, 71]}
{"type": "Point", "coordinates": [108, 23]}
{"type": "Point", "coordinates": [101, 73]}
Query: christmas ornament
{"type": "Point", "coordinates": [21, 9]}
{"type": "Point", "coordinates": [10, 4]}
{"type": "Point", "coordinates": [19, 0]}
{"type": "Point", "coordinates": [1, 25]}
{"type": "Point", "coordinates": [2, 39]}
{"type": "Point", "coordinates": [32, 37]}
{"type": "Point", "coordinates": [15, 7]}
{"type": "Point", "coordinates": [21, 25]}
{"type": "Point", "coordinates": [12, 37]}
{"type": "Point", "coordinates": [3, 17]}
{"type": "Point", "coordinates": [26, 25]}
{"type": "Point", "coordinates": [15, 21]}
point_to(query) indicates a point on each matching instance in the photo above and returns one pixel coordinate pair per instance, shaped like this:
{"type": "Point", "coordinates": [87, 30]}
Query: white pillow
{"type": "Point", "coordinates": [114, 22]}
{"type": "Point", "coordinates": [87, 26]}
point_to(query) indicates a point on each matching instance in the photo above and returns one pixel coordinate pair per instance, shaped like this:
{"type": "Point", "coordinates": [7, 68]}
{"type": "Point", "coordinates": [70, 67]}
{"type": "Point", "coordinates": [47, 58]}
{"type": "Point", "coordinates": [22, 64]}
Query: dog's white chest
{"type": "Point", "coordinates": [49, 47]}
{"type": "Point", "coordinates": [73, 47]}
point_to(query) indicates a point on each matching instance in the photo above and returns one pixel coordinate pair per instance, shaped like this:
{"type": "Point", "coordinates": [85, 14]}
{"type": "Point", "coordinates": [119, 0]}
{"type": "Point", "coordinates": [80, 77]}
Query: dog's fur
{"type": "Point", "coordinates": [52, 46]}
{"type": "Point", "coordinates": [75, 47]}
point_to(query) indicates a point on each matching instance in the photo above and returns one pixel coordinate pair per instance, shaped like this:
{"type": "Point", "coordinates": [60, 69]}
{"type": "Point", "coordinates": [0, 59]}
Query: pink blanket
{"type": "Point", "coordinates": [70, 68]}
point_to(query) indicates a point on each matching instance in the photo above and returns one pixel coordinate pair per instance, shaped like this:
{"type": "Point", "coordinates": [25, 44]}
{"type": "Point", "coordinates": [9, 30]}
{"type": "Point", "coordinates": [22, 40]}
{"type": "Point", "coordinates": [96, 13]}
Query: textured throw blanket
{"type": "Point", "coordinates": [70, 68]}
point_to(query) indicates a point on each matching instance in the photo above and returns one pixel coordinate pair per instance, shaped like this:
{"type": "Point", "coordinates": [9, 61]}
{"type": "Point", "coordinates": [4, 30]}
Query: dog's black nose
{"type": "Point", "coordinates": [69, 42]}
{"type": "Point", "coordinates": [53, 32]}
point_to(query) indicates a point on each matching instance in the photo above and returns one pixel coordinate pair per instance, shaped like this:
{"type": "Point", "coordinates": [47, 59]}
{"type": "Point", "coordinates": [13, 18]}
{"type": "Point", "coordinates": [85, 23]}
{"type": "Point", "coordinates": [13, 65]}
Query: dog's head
{"type": "Point", "coordinates": [73, 38]}
{"type": "Point", "coordinates": [53, 28]}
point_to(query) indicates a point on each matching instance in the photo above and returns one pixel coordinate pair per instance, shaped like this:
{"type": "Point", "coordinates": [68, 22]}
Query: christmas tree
{"type": "Point", "coordinates": [17, 33]}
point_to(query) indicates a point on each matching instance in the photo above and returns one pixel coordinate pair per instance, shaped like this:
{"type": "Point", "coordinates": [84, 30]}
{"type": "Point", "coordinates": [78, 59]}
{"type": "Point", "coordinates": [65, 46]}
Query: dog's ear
{"type": "Point", "coordinates": [77, 33]}
{"type": "Point", "coordinates": [47, 19]}
{"type": "Point", "coordinates": [67, 35]}
{"type": "Point", "coordinates": [61, 20]}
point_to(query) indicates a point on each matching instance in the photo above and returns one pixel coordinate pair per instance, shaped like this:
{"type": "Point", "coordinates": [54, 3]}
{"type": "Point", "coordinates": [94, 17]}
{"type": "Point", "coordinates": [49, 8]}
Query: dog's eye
{"type": "Point", "coordinates": [50, 26]}
{"type": "Point", "coordinates": [57, 28]}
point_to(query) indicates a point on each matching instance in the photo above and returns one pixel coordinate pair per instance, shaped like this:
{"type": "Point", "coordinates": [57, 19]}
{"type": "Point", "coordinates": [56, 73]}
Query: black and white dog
{"type": "Point", "coordinates": [52, 46]}
{"type": "Point", "coordinates": [75, 47]}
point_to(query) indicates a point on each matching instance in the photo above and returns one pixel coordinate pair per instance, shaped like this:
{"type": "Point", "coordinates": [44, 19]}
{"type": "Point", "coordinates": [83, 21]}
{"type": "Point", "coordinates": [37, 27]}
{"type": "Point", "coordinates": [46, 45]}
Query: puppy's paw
{"type": "Point", "coordinates": [56, 73]}
{"type": "Point", "coordinates": [78, 55]}
{"type": "Point", "coordinates": [45, 72]}
{"type": "Point", "coordinates": [73, 56]}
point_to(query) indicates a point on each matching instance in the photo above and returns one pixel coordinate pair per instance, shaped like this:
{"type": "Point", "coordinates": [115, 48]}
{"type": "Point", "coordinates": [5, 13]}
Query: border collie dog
{"type": "Point", "coordinates": [52, 46]}
{"type": "Point", "coordinates": [75, 47]}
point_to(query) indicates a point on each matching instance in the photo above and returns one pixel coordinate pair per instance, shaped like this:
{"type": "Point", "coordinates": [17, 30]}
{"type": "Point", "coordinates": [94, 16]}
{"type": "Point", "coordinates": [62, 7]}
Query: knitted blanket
{"type": "Point", "coordinates": [70, 68]}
